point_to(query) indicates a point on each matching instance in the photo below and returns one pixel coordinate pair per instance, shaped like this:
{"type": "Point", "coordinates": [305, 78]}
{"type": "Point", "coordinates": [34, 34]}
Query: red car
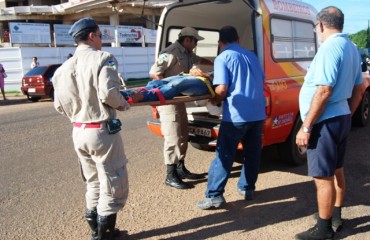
{"type": "Point", "coordinates": [37, 84]}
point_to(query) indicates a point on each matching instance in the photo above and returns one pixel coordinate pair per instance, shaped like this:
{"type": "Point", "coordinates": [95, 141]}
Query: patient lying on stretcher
{"type": "Point", "coordinates": [196, 83]}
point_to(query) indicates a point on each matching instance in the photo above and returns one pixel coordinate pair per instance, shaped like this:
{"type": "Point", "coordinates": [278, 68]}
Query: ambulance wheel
{"type": "Point", "coordinates": [289, 152]}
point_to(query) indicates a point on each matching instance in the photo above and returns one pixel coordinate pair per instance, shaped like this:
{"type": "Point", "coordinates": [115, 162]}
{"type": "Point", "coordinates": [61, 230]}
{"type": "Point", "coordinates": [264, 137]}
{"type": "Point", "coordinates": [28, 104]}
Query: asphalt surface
{"type": "Point", "coordinates": [42, 195]}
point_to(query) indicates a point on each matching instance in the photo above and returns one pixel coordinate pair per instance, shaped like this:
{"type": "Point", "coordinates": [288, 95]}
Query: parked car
{"type": "Point", "coordinates": [37, 84]}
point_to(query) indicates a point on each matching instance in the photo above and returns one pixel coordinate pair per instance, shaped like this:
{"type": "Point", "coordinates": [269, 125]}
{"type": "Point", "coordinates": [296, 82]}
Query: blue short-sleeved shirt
{"type": "Point", "coordinates": [240, 70]}
{"type": "Point", "coordinates": [336, 64]}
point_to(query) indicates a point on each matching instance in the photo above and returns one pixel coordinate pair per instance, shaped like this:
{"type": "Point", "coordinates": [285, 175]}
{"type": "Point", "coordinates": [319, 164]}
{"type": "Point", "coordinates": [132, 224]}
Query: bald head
{"type": "Point", "coordinates": [331, 17]}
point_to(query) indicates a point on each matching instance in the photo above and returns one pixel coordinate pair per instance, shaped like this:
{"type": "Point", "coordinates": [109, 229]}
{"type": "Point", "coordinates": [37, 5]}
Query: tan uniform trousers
{"type": "Point", "coordinates": [103, 164]}
{"type": "Point", "coordinates": [174, 127]}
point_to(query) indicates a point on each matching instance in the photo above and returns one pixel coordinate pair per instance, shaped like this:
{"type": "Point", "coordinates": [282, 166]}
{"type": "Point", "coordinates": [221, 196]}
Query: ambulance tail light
{"type": "Point", "coordinates": [267, 95]}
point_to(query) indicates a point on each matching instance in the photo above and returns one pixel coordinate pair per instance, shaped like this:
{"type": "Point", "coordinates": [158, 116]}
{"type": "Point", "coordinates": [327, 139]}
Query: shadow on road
{"type": "Point", "coordinates": [16, 100]}
{"type": "Point", "coordinates": [245, 215]}
{"type": "Point", "coordinates": [271, 206]}
{"type": "Point", "coordinates": [280, 204]}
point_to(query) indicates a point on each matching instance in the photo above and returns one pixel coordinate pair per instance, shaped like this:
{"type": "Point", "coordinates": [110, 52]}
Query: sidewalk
{"type": "Point", "coordinates": [13, 98]}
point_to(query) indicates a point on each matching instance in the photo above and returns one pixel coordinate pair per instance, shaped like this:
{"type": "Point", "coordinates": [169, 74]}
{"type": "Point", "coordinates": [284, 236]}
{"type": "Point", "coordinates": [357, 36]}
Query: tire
{"type": "Point", "coordinates": [361, 116]}
{"type": "Point", "coordinates": [289, 152]}
{"type": "Point", "coordinates": [33, 99]}
{"type": "Point", "coordinates": [51, 94]}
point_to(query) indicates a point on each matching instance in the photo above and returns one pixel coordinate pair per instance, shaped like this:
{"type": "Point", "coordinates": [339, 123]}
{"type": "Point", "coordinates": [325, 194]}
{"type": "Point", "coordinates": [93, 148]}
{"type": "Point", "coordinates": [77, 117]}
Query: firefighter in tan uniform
{"type": "Point", "coordinates": [87, 92]}
{"type": "Point", "coordinates": [177, 58]}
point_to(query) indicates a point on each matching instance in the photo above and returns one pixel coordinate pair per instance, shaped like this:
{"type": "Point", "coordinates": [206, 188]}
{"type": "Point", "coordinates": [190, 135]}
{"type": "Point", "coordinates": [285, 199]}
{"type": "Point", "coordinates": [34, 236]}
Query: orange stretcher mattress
{"type": "Point", "coordinates": [179, 99]}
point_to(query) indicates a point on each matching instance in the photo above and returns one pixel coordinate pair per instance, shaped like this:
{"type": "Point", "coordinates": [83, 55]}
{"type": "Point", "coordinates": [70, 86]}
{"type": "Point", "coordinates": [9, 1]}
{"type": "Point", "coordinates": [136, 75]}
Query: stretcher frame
{"type": "Point", "coordinates": [175, 100]}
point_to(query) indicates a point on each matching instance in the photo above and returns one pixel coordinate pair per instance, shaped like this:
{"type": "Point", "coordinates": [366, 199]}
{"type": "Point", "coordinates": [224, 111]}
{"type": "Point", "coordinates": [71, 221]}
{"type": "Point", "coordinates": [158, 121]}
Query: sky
{"type": "Point", "coordinates": [356, 12]}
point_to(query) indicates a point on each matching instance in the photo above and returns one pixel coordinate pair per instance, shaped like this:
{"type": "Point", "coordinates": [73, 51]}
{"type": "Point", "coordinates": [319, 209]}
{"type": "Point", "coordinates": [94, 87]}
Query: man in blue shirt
{"type": "Point", "coordinates": [333, 77]}
{"type": "Point", "coordinates": [238, 78]}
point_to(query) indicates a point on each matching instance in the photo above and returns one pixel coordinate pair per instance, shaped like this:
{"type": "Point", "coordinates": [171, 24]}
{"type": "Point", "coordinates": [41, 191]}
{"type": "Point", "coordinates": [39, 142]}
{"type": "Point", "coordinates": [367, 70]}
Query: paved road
{"type": "Point", "coordinates": [41, 194]}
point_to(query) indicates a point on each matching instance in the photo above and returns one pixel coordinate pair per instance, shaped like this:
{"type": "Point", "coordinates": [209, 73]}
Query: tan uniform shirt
{"type": "Point", "coordinates": [174, 60]}
{"type": "Point", "coordinates": [174, 122]}
{"type": "Point", "coordinates": [87, 86]}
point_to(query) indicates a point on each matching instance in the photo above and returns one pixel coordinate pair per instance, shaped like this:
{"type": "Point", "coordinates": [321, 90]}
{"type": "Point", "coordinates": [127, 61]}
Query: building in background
{"type": "Point", "coordinates": [40, 28]}
{"type": "Point", "coordinates": [125, 12]}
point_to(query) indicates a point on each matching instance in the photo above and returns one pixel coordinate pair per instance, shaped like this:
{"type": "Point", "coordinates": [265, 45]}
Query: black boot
{"type": "Point", "coordinates": [106, 225]}
{"type": "Point", "coordinates": [173, 180]}
{"type": "Point", "coordinates": [321, 231]}
{"type": "Point", "coordinates": [92, 219]}
{"type": "Point", "coordinates": [183, 173]}
{"type": "Point", "coordinates": [337, 221]}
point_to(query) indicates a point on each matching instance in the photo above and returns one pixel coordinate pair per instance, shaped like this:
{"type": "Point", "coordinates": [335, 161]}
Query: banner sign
{"type": "Point", "coordinates": [40, 33]}
{"type": "Point", "coordinates": [150, 35]}
{"type": "Point", "coordinates": [29, 32]}
{"type": "Point", "coordinates": [107, 32]}
{"type": "Point", "coordinates": [130, 34]}
{"type": "Point", "coordinates": [61, 34]}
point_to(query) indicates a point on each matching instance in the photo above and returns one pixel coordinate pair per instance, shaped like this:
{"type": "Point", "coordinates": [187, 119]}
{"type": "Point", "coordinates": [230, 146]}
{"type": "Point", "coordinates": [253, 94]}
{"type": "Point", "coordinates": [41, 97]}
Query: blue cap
{"type": "Point", "coordinates": [82, 24]}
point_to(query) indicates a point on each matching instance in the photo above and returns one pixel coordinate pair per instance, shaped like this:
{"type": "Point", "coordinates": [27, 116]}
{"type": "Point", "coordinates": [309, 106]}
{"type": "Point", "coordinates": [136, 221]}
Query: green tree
{"type": "Point", "coordinates": [361, 39]}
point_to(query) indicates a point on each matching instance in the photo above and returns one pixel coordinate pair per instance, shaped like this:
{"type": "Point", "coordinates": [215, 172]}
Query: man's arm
{"type": "Point", "coordinates": [318, 104]}
{"type": "Point", "coordinates": [205, 61]}
{"type": "Point", "coordinates": [355, 100]}
{"type": "Point", "coordinates": [162, 64]}
{"type": "Point", "coordinates": [220, 91]}
{"type": "Point", "coordinates": [109, 85]}
{"type": "Point", "coordinates": [155, 76]}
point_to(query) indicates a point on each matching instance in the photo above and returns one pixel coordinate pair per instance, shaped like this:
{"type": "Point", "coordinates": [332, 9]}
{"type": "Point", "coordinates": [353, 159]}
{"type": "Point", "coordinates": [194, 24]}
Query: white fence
{"type": "Point", "coordinates": [133, 62]}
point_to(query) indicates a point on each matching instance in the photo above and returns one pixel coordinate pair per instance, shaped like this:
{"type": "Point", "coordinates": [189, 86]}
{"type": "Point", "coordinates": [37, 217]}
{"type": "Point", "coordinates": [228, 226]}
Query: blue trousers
{"type": "Point", "coordinates": [230, 134]}
{"type": "Point", "coordinates": [171, 87]}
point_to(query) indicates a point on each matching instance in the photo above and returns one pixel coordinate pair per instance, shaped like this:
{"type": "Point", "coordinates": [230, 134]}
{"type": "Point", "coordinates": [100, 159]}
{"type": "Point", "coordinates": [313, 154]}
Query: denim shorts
{"type": "Point", "coordinates": [327, 146]}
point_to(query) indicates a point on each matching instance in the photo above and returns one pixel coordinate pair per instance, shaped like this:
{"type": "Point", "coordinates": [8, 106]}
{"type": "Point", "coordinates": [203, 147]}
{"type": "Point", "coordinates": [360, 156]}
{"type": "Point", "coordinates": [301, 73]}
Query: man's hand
{"type": "Point", "coordinates": [124, 107]}
{"type": "Point", "coordinates": [302, 138]}
{"type": "Point", "coordinates": [356, 98]}
{"type": "Point", "coordinates": [214, 101]}
{"type": "Point", "coordinates": [197, 72]}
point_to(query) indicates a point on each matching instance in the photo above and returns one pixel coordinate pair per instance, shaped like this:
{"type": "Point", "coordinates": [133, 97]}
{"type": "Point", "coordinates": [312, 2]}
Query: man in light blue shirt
{"type": "Point", "coordinates": [238, 78]}
{"type": "Point", "coordinates": [326, 102]}
{"type": "Point", "coordinates": [330, 68]}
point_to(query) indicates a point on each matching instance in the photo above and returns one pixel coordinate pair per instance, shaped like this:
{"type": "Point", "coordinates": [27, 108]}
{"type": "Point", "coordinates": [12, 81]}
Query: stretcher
{"type": "Point", "coordinates": [178, 99]}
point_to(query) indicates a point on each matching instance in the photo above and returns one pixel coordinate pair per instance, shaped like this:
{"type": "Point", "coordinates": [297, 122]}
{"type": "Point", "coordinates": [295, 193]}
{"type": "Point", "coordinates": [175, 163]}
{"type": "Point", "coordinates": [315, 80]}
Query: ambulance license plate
{"type": "Point", "coordinates": [205, 132]}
